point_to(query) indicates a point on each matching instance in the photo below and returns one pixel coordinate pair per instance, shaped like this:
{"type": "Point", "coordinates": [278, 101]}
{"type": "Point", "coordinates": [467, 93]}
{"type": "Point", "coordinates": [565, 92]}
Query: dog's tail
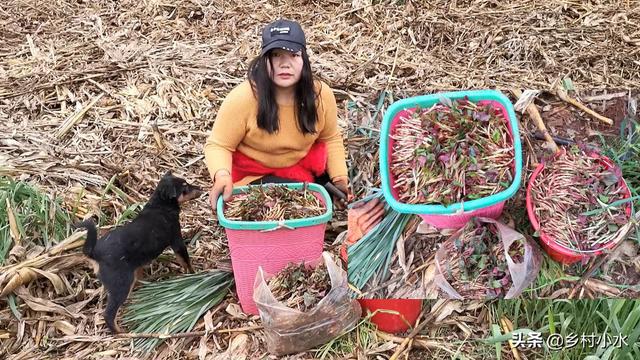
{"type": "Point", "coordinates": [92, 236]}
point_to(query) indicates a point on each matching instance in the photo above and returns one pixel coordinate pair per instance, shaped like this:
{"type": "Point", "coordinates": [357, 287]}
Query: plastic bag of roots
{"type": "Point", "coordinates": [299, 315]}
{"type": "Point", "coordinates": [485, 260]}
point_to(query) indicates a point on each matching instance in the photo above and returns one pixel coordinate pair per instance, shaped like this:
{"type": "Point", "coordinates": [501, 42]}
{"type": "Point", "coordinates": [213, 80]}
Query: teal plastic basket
{"type": "Point", "coordinates": [271, 225]}
{"type": "Point", "coordinates": [425, 101]}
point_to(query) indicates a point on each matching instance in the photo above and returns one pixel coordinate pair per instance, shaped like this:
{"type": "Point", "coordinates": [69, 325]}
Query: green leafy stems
{"type": "Point", "coordinates": [454, 151]}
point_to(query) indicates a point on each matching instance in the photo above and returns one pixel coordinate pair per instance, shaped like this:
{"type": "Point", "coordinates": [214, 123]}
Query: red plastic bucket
{"type": "Point", "coordinates": [556, 251]}
{"type": "Point", "coordinates": [408, 309]}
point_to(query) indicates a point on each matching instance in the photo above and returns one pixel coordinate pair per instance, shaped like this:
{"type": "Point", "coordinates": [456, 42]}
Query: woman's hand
{"type": "Point", "coordinates": [222, 184]}
{"type": "Point", "coordinates": [363, 218]}
{"type": "Point", "coordinates": [342, 183]}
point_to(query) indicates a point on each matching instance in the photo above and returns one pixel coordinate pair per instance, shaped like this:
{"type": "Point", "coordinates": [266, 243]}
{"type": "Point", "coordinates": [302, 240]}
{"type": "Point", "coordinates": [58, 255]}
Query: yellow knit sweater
{"type": "Point", "coordinates": [236, 128]}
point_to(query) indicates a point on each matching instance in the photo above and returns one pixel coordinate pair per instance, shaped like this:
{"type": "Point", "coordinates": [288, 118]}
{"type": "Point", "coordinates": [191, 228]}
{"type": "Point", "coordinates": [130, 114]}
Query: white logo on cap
{"type": "Point", "coordinates": [282, 30]}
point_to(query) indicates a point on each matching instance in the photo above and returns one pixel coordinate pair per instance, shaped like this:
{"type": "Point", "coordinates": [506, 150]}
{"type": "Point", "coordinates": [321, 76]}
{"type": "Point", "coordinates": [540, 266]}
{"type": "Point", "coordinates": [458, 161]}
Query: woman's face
{"type": "Point", "coordinates": [286, 67]}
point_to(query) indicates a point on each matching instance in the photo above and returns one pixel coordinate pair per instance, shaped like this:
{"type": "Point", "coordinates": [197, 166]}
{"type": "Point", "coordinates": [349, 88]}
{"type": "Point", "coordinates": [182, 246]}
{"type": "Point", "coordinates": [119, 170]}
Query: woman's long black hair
{"type": "Point", "coordinates": [264, 89]}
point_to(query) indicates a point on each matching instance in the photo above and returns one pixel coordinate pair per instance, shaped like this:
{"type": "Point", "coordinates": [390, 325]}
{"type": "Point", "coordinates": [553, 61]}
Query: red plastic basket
{"type": "Point", "coordinates": [556, 251]}
{"type": "Point", "coordinates": [408, 309]}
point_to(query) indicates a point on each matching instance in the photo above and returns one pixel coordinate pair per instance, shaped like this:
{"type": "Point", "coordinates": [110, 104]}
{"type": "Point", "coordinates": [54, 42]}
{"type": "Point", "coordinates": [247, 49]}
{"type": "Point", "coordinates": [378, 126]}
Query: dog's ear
{"type": "Point", "coordinates": [167, 174]}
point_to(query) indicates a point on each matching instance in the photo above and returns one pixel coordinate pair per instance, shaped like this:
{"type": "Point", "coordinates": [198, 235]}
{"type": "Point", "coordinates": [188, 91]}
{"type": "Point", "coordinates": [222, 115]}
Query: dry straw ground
{"type": "Point", "coordinates": [92, 92]}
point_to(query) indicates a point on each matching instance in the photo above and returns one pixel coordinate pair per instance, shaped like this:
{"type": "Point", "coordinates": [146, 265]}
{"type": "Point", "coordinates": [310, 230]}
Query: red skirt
{"type": "Point", "coordinates": [305, 170]}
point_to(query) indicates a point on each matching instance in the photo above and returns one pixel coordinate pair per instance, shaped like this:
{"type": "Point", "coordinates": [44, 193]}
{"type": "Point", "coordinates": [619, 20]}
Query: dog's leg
{"type": "Point", "coordinates": [137, 276]}
{"type": "Point", "coordinates": [181, 254]}
{"type": "Point", "coordinates": [118, 284]}
{"type": "Point", "coordinates": [95, 265]}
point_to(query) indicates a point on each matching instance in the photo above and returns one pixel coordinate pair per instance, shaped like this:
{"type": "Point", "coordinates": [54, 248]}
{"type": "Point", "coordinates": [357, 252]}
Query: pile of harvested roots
{"type": "Point", "coordinates": [454, 151]}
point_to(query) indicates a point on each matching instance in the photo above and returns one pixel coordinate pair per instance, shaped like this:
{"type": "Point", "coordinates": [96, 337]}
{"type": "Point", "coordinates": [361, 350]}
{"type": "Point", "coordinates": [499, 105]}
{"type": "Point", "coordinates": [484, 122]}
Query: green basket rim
{"type": "Point", "coordinates": [431, 209]}
{"type": "Point", "coordinates": [273, 225]}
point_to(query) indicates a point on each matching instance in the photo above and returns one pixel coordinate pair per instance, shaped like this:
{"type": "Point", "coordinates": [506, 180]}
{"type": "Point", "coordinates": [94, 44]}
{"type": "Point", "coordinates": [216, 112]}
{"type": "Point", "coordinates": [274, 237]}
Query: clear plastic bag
{"type": "Point", "coordinates": [290, 331]}
{"type": "Point", "coordinates": [522, 274]}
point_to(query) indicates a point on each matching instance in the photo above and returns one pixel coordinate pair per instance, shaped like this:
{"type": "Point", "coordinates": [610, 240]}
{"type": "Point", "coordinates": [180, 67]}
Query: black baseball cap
{"type": "Point", "coordinates": [283, 34]}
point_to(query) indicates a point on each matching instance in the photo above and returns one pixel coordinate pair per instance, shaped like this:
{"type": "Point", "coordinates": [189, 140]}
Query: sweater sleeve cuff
{"type": "Point", "coordinates": [337, 167]}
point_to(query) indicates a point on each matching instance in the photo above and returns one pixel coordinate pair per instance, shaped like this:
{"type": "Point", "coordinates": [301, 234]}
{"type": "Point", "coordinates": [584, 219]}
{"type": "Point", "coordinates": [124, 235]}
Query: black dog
{"type": "Point", "coordinates": [119, 255]}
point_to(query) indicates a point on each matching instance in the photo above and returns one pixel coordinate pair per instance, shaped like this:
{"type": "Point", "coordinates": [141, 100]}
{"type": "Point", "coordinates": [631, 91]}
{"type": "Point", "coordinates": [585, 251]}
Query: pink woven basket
{"type": "Point", "coordinates": [272, 245]}
{"type": "Point", "coordinates": [459, 220]}
{"type": "Point", "coordinates": [272, 250]}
